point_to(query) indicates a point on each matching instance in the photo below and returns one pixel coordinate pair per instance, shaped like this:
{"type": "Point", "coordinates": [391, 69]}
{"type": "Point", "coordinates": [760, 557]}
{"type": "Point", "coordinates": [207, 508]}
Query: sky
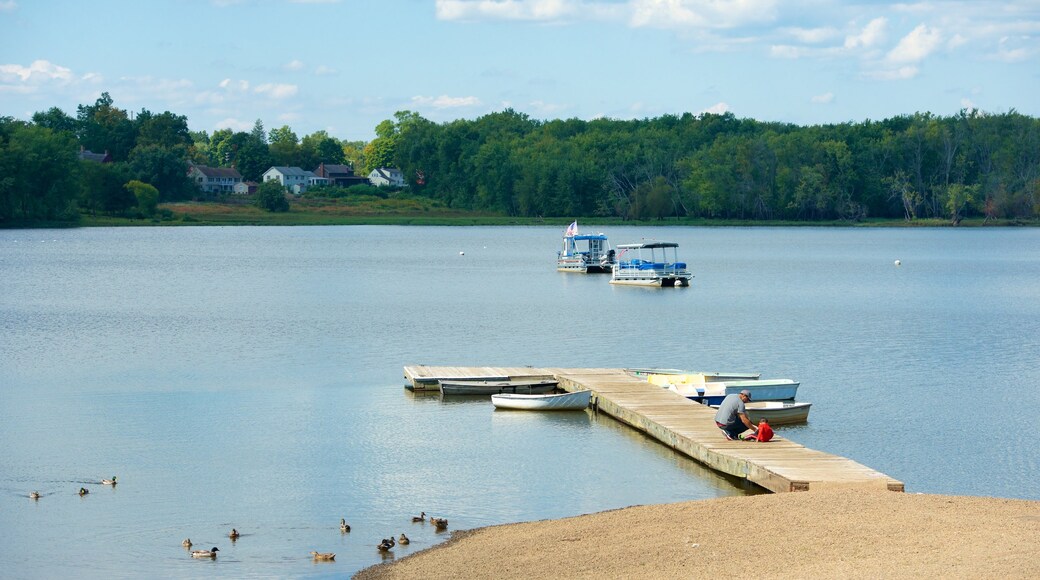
{"type": "Point", "coordinates": [343, 66]}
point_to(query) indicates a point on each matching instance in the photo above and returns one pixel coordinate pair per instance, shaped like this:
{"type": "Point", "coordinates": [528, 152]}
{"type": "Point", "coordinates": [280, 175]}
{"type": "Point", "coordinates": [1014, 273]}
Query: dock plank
{"type": "Point", "coordinates": [689, 428]}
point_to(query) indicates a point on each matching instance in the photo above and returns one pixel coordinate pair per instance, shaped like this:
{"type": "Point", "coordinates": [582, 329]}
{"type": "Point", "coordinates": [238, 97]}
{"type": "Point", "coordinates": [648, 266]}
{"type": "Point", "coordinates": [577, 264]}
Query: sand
{"type": "Point", "coordinates": [818, 534]}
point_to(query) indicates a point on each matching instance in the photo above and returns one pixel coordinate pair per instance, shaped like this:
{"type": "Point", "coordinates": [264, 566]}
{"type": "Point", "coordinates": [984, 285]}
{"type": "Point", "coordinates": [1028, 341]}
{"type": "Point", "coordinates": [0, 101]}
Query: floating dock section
{"type": "Point", "coordinates": [780, 465]}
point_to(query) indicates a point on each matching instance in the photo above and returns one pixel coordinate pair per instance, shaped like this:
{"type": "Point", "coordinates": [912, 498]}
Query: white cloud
{"type": "Point", "coordinates": [871, 34]}
{"type": "Point", "coordinates": [956, 41]}
{"type": "Point", "coordinates": [276, 90]}
{"type": "Point", "coordinates": [716, 109]}
{"type": "Point", "coordinates": [323, 70]}
{"type": "Point", "coordinates": [917, 45]}
{"type": "Point", "coordinates": [234, 124]}
{"type": "Point", "coordinates": [709, 14]}
{"type": "Point", "coordinates": [446, 102]}
{"type": "Point", "coordinates": [540, 108]}
{"type": "Point", "coordinates": [824, 99]}
{"type": "Point", "coordinates": [968, 104]}
{"type": "Point", "coordinates": [898, 74]}
{"type": "Point", "coordinates": [294, 65]}
{"type": "Point", "coordinates": [811, 35]}
{"type": "Point", "coordinates": [8, 6]}
{"type": "Point", "coordinates": [40, 71]}
{"type": "Point", "coordinates": [1013, 49]}
{"type": "Point", "coordinates": [700, 14]}
{"type": "Point", "coordinates": [536, 10]}
{"type": "Point", "coordinates": [787, 51]}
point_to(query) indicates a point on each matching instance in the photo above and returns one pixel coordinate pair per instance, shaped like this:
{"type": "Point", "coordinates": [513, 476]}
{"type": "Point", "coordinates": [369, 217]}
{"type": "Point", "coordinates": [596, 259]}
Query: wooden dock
{"type": "Point", "coordinates": [687, 427]}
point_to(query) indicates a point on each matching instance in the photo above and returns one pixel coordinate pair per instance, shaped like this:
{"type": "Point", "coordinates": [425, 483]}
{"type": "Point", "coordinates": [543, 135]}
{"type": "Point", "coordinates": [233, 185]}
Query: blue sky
{"type": "Point", "coordinates": [345, 65]}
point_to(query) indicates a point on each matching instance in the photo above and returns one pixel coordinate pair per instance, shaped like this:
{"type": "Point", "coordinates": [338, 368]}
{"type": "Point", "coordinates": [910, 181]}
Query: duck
{"type": "Point", "coordinates": [323, 556]}
{"type": "Point", "coordinates": [186, 543]}
{"type": "Point", "coordinates": [419, 518]}
{"type": "Point", "coordinates": [205, 553]}
{"type": "Point", "coordinates": [440, 523]}
{"type": "Point", "coordinates": [109, 481]}
{"type": "Point", "coordinates": [34, 495]}
{"type": "Point", "coordinates": [83, 491]}
{"type": "Point", "coordinates": [344, 527]}
{"type": "Point", "coordinates": [386, 544]}
{"type": "Point", "coordinates": [403, 540]}
{"type": "Point", "coordinates": [234, 534]}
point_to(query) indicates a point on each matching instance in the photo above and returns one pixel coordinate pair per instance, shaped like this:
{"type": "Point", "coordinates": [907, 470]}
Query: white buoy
{"type": "Point", "coordinates": [898, 263]}
{"type": "Point", "coordinates": [462, 253]}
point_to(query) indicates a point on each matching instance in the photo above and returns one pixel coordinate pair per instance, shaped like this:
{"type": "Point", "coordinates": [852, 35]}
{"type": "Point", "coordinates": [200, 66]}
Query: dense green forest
{"type": "Point", "coordinates": [718, 166]}
{"type": "Point", "coordinates": [973, 164]}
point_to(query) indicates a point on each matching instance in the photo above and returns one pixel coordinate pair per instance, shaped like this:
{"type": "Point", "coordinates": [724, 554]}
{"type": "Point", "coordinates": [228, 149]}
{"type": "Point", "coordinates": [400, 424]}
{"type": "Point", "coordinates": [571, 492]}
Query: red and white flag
{"type": "Point", "coordinates": [572, 230]}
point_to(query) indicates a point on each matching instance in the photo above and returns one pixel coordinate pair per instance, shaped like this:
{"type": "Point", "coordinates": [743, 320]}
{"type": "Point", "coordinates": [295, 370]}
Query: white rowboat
{"type": "Point", "coordinates": [559, 402]}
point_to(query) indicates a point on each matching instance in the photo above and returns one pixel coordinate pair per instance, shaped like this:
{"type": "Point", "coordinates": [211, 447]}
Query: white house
{"type": "Point", "coordinates": [386, 176]}
{"type": "Point", "coordinates": [214, 179]}
{"type": "Point", "coordinates": [245, 187]}
{"type": "Point", "coordinates": [294, 179]}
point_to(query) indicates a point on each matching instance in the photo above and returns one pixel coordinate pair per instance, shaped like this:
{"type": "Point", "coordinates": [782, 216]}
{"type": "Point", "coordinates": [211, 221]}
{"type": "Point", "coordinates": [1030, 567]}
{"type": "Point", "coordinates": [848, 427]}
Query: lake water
{"type": "Point", "coordinates": [251, 377]}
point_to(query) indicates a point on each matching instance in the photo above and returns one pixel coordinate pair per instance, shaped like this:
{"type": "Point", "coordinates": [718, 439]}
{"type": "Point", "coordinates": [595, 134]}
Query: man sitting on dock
{"type": "Point", "coordinates": [732, 417]}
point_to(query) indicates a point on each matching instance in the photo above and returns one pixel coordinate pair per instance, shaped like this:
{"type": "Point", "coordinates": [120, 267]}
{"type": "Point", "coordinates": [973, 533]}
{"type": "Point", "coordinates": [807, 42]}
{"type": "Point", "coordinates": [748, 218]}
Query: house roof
{"type": "Point", "coordinates": [291, 171]}
{"type": "Point", "coordinates": [218, 172]}
{"type": "Point", "coordinates": [88, 155]}
{"type": "Point", "coordinates": [331, 169]}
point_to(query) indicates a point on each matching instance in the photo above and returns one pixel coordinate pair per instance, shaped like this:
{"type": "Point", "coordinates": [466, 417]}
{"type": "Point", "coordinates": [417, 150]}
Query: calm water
{"type": "Point", "coordinates": [251, 378]}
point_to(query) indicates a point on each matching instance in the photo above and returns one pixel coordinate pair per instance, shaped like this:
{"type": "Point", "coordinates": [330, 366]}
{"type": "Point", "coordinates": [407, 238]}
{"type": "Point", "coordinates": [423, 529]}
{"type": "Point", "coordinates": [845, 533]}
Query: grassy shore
{"type": "Point", "coordinates": [307, 212]}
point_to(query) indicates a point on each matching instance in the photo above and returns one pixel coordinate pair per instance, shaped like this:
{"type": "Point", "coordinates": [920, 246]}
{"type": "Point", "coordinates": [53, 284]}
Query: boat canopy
{"type": "Point", "coordinates": [588, 237]}
{"type": "Point", "coordinates": [648, 245]}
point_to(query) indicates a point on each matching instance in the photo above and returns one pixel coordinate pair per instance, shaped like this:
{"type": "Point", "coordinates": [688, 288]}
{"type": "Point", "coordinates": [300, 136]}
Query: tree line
{"type": "Point", "coordinates": [972, 164]}
{"type": "Point", "coordinates": [42, 177]}
{"type": "Point", "coordinates": [718, 166]}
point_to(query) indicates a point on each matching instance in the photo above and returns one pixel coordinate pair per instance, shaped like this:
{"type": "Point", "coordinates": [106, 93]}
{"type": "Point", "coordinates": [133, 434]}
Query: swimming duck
{"type": "Point", "coordinates": [234, 534]}
{"type": "Point", "coordinates": [344, 527]}
{"type": "Point", "coordinates": [386, 544]}
{"type": "Point", "coordinates": [440, 523]}
{"type": "Point", "coordinates": [109, 481]}
{"type": "Point", "coordinates": [34, 495]}
{"type": "Point", "coordinates": [186, 543]}
{"type": "Point", "coordinates": [323, 556]}
{"type": "Point", "coordinates": [83, 491]}
{"type": "Point", "coordinates": [403, 540]}
{"type": "Point", "coordinates": [205, 553]}
{"type": "Point", "coordinates": [419, 518]}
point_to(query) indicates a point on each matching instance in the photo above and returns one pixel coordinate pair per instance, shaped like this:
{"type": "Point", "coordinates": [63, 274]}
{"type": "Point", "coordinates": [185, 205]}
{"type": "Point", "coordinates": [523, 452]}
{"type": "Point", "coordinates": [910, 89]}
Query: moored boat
{"type": "Point", "coordinates": [653, 264]}
{"type": "Point", "coordinates": [584, 253]}
{"type": "Point", "coordinates": [712, 393]}
{"type": "Point", "coordinates": [479, 387]}
{"type": "Point", "coordinates": [777, 412]}
{"type": "Point", "coordinates": [575, 401]}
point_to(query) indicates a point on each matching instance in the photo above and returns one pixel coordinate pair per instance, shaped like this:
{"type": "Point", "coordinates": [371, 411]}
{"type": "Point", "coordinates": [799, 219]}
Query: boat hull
{"type": "Point", "coordinates": [581, 267]}
{"type": "Point", "coordinates": [651, 281]}
{"type": "Point", "coordinates": [777, 412]}
{"type": "Point", "coordinates": [495, 387]}
{"type": "Point", "coordinates": [576, 401]}
{"type": "Point", "coordinates": [712, 393]}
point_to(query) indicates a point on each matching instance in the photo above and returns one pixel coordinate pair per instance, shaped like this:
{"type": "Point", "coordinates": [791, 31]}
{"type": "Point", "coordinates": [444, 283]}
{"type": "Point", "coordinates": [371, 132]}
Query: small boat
{"type": "Point", "coordinates": [584, 253]}
{"type": "Point", "coordinates": [712, 393]}
{"type": "Point", "coordinates": [457, 387]}
{"type": "Point", "coordinates": [692, 378]}
{"type": "Point", "coordinates": [777, 412]}
{"type": "Point", "coordinates": [575, 401]}
{"type": "Point", "coordinates": [663, 268]}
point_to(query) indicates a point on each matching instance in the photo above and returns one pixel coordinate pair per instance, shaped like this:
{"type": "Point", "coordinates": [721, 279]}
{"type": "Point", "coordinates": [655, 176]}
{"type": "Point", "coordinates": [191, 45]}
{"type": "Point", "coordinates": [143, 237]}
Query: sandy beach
{"type": "Point", "coordinates": [819, 534]}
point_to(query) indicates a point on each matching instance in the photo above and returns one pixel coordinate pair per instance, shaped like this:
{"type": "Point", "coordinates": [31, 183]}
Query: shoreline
{"type": "Point", "coordinates": [817, 534]}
